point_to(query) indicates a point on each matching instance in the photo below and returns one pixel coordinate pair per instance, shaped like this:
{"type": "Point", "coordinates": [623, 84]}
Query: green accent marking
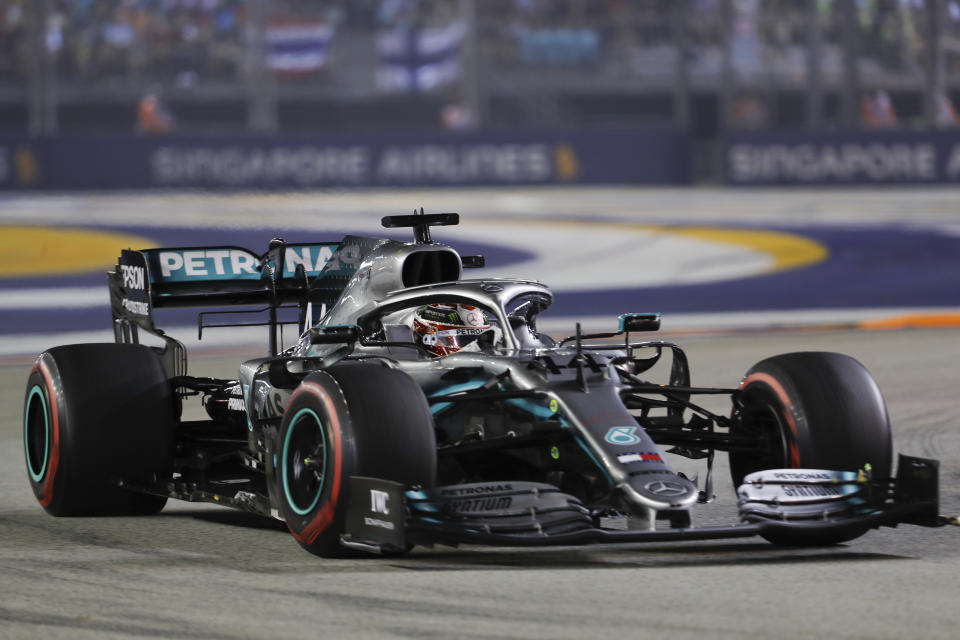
{"type": "Point", "coordinates": [591, 455]}
{"type": "Point", "coordinates": [465, 386]}
{"type": "Point", "coordinates": [36, 477]}
{"type": "Point", "coordinates": [283, 467]}
{"type": "Point", "coordinates": [555, 452]}
{"type": "Point", "coordinates": [554, 405]}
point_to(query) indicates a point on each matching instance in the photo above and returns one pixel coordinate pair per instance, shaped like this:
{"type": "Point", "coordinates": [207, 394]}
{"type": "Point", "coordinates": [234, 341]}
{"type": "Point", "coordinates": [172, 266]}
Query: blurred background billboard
{"type": "Point", "coordinates": [322, 93]}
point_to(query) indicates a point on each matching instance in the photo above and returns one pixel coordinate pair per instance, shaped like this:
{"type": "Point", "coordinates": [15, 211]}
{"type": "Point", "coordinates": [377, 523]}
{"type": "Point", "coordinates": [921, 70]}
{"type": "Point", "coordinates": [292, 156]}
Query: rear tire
{"type": "Point", "coordinates": [812, 410]}
{"type": "Point", "coordinates": [353, 419]}
{"type": "Point", "coordinates": [96, 415]}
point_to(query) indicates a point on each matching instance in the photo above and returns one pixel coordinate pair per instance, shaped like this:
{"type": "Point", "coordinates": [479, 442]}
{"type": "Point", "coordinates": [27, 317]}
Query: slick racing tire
{"type": "Point", "coordinates": [813, 410]}
{"type": "Point", "coordinates": [353, 419]}
{"type": "Point", "coordinates": [97, 416]}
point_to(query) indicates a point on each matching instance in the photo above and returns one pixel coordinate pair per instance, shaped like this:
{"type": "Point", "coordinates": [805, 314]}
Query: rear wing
{"type": "Point", "coordinates": [287, 275]}
{"type": "Point", "coordinates": [223, 276]}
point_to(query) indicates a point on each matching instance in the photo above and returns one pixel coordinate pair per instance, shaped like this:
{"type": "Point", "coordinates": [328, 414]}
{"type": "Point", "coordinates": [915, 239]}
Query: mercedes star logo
{"type": "Point", "coordinates": [665, 488]}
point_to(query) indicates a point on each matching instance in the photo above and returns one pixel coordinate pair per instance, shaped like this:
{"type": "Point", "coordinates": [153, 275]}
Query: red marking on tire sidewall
{"type": "Point", "coordinates": [325, 516]}
{"type": "Point", "coordinates": [54, 461]}
{"type": "Point", "coordinates": [777, 388]}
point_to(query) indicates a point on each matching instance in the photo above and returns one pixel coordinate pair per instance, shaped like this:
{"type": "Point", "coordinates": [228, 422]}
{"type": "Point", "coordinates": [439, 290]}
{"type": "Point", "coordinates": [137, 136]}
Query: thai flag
{"type": "Point", "coordinates": [298, 48]}
{"type": "Point", "coordinates": [420, 59]}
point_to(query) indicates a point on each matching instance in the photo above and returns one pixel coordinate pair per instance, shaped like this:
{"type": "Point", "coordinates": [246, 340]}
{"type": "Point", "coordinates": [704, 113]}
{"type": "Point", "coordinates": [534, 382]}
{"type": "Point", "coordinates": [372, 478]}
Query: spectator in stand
{"type": "Point", "coordinates": [13, 43]}
{"type": "Point", "coordinates": [749, 112]}
{"type": "Point", "coordinates": [152, 115]}
{"type": "Point", "coordinates": [455, 115]}
{"type": "Point", "coordinates": [946, 114]}
{"type": "Point", "coordinates": [876, 110]}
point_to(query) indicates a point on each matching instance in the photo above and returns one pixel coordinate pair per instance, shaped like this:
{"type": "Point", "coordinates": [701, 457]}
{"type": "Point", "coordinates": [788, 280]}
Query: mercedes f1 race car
{"type": "Point", "coordinates": [419, 407]}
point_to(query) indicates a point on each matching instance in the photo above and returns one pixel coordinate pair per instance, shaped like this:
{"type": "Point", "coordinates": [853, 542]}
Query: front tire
{"type": "Point", "coordinates": [354, 419]}
{"type": "Point", "coordinates": [96, 415]}
{"type": "Point", "coordinates": [813, 410]}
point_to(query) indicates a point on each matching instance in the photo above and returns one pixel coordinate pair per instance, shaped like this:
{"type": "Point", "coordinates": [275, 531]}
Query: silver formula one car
{"type": "Point", "coordinates": [421, 407]}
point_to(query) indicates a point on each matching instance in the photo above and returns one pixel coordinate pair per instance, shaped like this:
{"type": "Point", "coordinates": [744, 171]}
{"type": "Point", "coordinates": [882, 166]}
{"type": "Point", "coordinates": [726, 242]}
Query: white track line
{"type": "Point", "coordinates": [54, 298]}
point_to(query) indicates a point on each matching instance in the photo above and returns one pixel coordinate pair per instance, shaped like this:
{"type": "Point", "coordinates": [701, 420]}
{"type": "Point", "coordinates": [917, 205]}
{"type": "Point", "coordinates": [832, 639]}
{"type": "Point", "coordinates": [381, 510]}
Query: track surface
{"type": "Point", "coordinates": [205, 572]}
{"type": "Point", "coordinates": [765, 254]}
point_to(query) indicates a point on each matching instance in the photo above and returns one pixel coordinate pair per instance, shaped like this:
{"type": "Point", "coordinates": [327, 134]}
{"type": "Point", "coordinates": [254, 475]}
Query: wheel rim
{"type": "Point", "coordinates": [304, 463]}
{"type": "Point", "coordinates": [36, 434]}
{"type": "Point", "coordinates": [762, 419]}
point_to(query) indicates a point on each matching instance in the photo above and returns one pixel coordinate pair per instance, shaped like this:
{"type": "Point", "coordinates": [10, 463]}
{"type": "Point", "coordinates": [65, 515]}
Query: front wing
{"type": "Point", "coordinates": [387, 517]}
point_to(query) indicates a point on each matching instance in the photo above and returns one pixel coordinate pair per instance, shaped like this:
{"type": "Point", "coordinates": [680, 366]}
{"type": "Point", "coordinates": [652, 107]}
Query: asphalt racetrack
{"type": "Point", "coordinates": [801, 271]}
{"type": "Point", "coordinates": [197, 571]}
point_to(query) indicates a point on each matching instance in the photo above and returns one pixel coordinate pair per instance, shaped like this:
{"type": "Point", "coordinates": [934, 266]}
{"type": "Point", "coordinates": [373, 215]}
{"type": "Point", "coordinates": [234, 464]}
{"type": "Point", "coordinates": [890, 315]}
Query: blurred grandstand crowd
{"type": "Point", "coordinates": [160, 40]}
{"type": "Point", "coordinates": [151, 40]}
{"type": "Point", "coordinates": [630, 45]}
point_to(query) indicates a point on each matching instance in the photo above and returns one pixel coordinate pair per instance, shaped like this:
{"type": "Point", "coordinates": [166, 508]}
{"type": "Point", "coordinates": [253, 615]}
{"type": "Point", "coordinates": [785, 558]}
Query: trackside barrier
{"type": "Point", "coordinates": [489, 158]}
{"type": "Point", "coordinates": [845, 157]}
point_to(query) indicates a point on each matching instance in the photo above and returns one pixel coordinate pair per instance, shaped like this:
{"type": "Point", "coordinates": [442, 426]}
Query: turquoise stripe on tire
{"type": "Point", "coordinates": [285, 461]}
{"type": "Point", "coordinates": [28, 418]}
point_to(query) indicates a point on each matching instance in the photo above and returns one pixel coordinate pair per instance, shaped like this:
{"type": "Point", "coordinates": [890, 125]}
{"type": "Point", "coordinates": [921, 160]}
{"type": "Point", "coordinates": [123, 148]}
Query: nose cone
{"type": "Point", "coordinates": [661, 491]}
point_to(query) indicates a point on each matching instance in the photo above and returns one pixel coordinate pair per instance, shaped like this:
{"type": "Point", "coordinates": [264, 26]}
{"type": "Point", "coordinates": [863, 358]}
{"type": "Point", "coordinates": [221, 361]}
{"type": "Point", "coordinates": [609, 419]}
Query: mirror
{"type": "Point", "coordinates": [343, 334]}
{"type": "Point", "coordinates": [630, 322]}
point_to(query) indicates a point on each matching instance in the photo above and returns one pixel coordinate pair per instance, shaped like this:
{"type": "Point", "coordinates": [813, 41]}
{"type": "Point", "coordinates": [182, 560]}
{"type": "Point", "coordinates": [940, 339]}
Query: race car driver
{"type": "Point", "coordinates": [447, 328]}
